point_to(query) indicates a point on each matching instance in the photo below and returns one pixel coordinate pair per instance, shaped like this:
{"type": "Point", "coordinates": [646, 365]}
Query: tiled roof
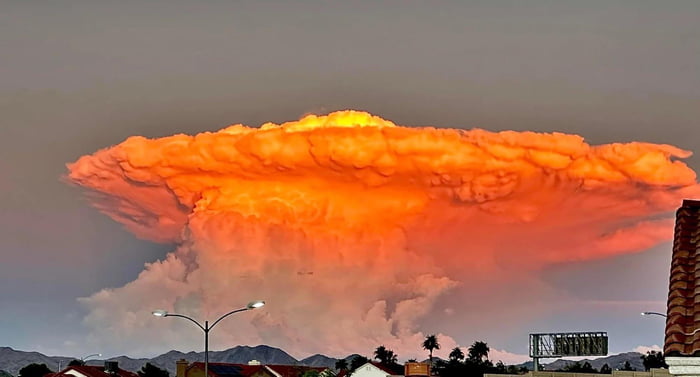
{"type": "Point", "coordinates": [387, 369]}
{"type": "Point", "coordinates": [228, 369]}
{"type": "Point", "coordinates": [93, 371]}
{"type": "Point", "coordinates": [683, 310]}
{"type": "Point", "coordinates": [245, 370]}
{"type": "Point", "coordinates": [292, 370]}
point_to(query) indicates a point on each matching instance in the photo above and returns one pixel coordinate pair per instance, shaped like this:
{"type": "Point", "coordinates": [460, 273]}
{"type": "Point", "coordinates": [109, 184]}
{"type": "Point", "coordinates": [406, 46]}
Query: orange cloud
{"type": "Point", "coordinates": [353, 227]}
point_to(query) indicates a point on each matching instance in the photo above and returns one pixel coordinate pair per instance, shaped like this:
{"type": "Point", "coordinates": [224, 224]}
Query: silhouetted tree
{"type": "Point", "coordinates": [500, 367]}
{"type": "Point", "coordinates": [380, 353]}
{"type": "Point", "coordinates": [431, 343]}
{"type": "Point", "coordinates": [341, 364]}
{"type": "Point", "coordinates": [150, 370]}
{"type": "Point", "coordinates": [627, 366]}
{"type": "Point", "coordinates": [450, 368]}
{"type": "Point", "coordinates": [34, 370]}
{"type": "Point", "coordinates": [588, 368]}
{"type": "Point", "coordinates": [654, 359]}
{"type": "Point", "coordinates": [76, 362]}
{"type": "Point", "coordinates": [475, 364]}
{"type": "Point", "coordinates": [357, 362]}
{"type": "Point", "coordinates": [457, 354]}
{"type": "Point", "coordinates": [512, 369]}
{"type": "Point", "coordinates": [478, 352]}
{"type": "Point", "coordinates": [605, 369]}
{"type": "Point", "coordinates": [391, 358]}
{"type": "Point", "coordinates": [577, 367]}
{"type": "Point", "coordinates": [385, 356]}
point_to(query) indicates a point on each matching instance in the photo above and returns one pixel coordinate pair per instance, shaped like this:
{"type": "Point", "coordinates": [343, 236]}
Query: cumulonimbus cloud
{"type": "Point", "coordinates": [352, 227]}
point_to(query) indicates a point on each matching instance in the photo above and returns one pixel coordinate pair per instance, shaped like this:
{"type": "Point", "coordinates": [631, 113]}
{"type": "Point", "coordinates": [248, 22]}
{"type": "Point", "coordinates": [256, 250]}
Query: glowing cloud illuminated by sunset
{"type": "Point", "coordinates": [352, 227]}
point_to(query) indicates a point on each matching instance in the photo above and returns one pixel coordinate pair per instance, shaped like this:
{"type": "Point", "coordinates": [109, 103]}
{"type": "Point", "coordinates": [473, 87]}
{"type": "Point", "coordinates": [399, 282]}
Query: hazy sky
{"type": "Point", "coordinates": [77, 76]}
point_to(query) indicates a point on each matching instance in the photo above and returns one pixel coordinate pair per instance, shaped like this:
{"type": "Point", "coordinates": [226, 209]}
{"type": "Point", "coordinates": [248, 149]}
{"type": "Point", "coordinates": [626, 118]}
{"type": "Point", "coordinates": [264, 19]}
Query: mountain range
{"type": "Point", "coordinates": [613, 361]}
{"type": "Point", "coordinates": [11, 361]}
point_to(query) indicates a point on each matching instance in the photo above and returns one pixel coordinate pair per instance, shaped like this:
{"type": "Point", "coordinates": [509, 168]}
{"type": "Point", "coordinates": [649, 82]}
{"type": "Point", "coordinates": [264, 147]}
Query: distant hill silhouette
{"type": "Point", "coordinates": [319, 360]}
{"type": "Point", "coordinates": [12, 360]}
{"type": "Point", "coordinates": [613, 361]}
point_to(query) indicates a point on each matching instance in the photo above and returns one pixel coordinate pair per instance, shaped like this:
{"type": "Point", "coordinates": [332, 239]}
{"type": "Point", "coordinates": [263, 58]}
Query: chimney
{"type": "Point", "coordinates": [181, 368]}
{"type": "Point", "coordinates": [112, 367]}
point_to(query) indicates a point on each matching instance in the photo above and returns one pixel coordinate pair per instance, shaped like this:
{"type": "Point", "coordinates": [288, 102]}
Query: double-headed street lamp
{"type": "Point", "coordinates": [654, 313]}
{"type": "Point", "coordinates": [251, 305]}
{"type": "Point", "coordinates": [84, 358]}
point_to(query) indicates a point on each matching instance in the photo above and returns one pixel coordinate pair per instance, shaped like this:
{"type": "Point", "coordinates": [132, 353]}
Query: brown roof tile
{"type": "Point", "coordinates": [683, 309]}
{"type": "Point", "coordinates": [292, 370]}
{"type": "Point", "coordinates": [397, 370]}
{"type": "Point", "coordinates": [245, 370]}
{"type": "Point", "coordinates": [94, 371]}
{"type": "Point", "coordinates": [227, 369]}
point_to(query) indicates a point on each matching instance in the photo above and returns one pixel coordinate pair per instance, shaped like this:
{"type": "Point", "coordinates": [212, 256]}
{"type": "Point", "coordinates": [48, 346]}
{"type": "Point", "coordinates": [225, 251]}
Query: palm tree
{"type": "Point", "coordinates": [391, 358]}
{"type": "Point", "coordinates": [654, 359]}
{"type": "Point", "coordinates": [456, 354]}
{"type": "Point", "coordinates": [380, 354]}
{"type": "Point", "coordinates": [341, 364]}
{"type": "Point", "coordinates": [431, 343]}
{"type": "Point", "coordinates": [356, 362]}
{"type": "Point", "coordinates": [478, 351]}
{"type": "Point", "coordinates": [385, 356]}
{"type": "Point", "coordinates": [627, 366]}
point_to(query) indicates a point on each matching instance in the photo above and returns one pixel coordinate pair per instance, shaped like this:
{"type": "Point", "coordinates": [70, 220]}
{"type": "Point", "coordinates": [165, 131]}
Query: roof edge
{"type": "Point", "coordinates": [691, 202]}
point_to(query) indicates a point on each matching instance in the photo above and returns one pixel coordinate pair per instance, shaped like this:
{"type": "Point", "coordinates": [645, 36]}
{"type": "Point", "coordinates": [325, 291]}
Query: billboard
{"type": "Point", "coordinates": [568, 344]}
{"type": "Point", "coordinates": [417, 369]}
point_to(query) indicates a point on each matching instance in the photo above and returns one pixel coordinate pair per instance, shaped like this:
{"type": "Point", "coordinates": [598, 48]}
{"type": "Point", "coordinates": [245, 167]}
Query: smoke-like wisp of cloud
{"type": "Point", "coordinates": [353, 228]}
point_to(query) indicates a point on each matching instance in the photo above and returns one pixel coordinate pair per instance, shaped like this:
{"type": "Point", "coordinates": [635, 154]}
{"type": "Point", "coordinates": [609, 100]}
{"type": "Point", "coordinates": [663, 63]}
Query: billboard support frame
{"type": "Point", "coordinates": [551, 345]}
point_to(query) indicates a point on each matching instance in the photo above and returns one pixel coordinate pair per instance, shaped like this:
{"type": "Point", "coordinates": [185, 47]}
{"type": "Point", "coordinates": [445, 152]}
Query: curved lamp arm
{"type": "Point", "coordinates": [226, 315]}
{"type": "Point", "coordinates": [89, 356]}
{"type": "Point", "coordinates": [654, 313]}
{"type": "Point", "coordinates": [186, 317]}
{"type": "Point", "coordinates": [251, 305]}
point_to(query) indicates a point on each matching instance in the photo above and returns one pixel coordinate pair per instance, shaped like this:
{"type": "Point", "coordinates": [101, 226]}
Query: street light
{"type": "Point", "coordinates": [654, 313]}
{"type": "Point", "coordinates": [164, 313]}
{"type": "Point", "coordinates": [89, 356]}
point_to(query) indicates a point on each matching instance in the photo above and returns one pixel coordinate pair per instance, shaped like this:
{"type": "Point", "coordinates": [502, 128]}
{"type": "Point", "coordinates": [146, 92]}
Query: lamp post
{"type": "Point", "coordinates": [654, 313]}
{"type": "Point", "coordinates": [206, 328]}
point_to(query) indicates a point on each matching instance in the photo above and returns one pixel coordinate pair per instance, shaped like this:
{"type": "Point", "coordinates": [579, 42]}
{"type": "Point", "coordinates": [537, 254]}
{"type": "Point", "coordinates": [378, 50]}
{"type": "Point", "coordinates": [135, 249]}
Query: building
{"type": "Point", "coordinates": [252, 369]}
{"type": "Point", "coordinates": [415, 369]}
{"type": "Point", "coordinates": [110, 369]}
{"type": "Point", "coordinates": [682, 336]}
{"type": "Point", "coordinates": [374, 369]}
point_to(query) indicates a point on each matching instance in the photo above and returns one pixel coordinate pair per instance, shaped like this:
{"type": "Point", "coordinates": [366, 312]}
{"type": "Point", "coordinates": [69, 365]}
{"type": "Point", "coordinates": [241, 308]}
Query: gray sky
{"type": "Point", "coordinates": [77, 76]}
